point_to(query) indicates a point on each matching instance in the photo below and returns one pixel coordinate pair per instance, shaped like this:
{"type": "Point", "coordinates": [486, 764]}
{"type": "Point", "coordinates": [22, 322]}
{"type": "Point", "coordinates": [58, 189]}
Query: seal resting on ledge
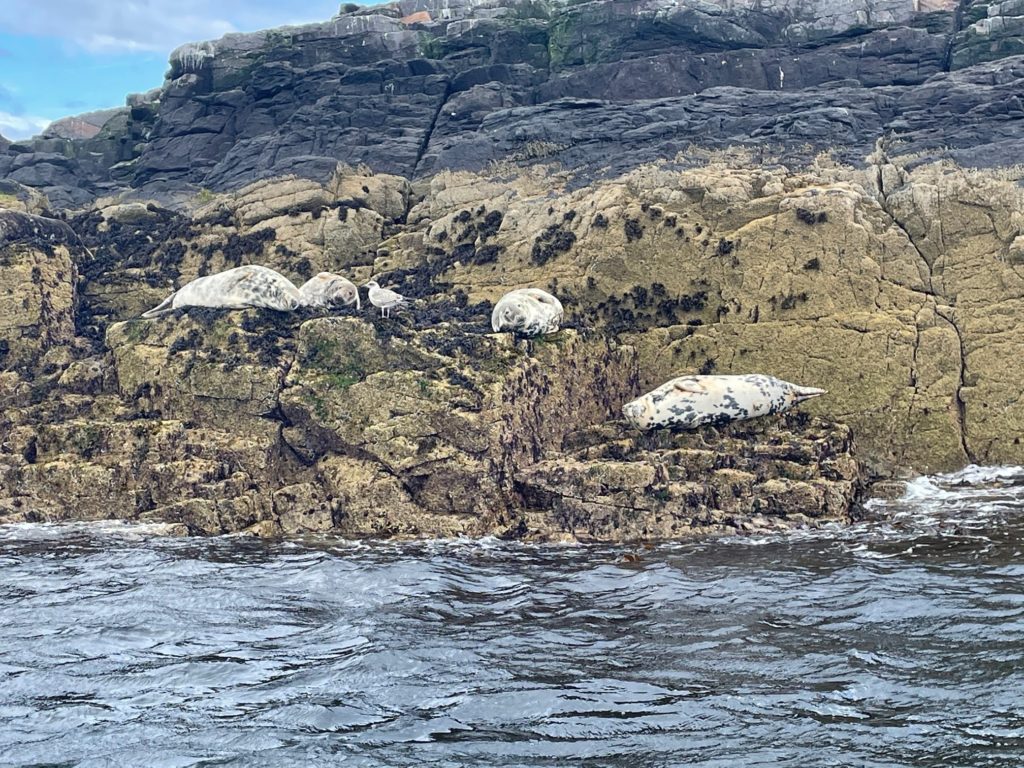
{"type": "Point", "coordinates": [326, 289]}
{"type": "Point", "coordinates": [689, 402]}
{"type": "Point", "coordinates": [237, 288]}
{"type": "Point", "coordinates": [527, 312]}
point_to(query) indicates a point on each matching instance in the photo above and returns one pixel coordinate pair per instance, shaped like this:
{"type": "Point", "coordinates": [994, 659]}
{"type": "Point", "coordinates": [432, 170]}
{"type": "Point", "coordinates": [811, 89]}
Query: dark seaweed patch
{"type": "Point", "coordinates": [490, 225]}
{"type": "Point", "coordinates": [551, 242]}
{"type": "Point", "coordinates": [344, 206]}
{"type": "Point", "coordinates": [188, 341]}
{"type": "Point", "coordinates": [810, 217]}
{"type": "Point", "coordinates": [488, 254]}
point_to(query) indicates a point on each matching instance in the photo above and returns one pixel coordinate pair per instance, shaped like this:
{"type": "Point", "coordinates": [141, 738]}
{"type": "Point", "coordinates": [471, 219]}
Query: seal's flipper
{"type": "Point", "coordinates": [162, 308]}
{"type": "Point", "coordinates": [806, 393]}
{"type": "Point", "coordinates": [693, 389]}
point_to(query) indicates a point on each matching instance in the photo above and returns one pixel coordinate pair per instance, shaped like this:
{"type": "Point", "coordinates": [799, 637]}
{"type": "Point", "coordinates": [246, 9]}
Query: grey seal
{"type": "Point", "coordinates": [237, 288]}
{"type": "Point", "coordinates": [327, 289]}
{"type": "Point", "coordinates": [527, 312]}
{"type": "Point", "coordinates": [688, 402]}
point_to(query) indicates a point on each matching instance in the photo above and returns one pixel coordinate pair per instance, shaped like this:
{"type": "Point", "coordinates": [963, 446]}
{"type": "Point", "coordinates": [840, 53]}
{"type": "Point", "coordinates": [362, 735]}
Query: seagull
{"type": "Point", "coordinates": [383, 298]}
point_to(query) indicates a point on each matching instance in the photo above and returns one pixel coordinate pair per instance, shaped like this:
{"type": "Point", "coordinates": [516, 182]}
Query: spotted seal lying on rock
{"type": "Point", "coordinates": [527, 312]}
{"type": "Point", "coordinates": [688, 402]}
{"type": "Point", "coordinates": [237, 288]}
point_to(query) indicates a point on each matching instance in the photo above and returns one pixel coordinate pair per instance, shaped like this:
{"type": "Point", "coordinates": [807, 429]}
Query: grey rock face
{"type": "Point", "coordinates": [988, 32]}
{"type": "Point", "coordinates": [421, 85]}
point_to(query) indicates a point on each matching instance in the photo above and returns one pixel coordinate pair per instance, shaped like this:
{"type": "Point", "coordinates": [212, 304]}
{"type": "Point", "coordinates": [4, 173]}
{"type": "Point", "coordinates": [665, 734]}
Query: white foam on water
{"type": "Point", "coordinates": [978, 475]}
{"type": "Point", "coordinates": [44, 531]}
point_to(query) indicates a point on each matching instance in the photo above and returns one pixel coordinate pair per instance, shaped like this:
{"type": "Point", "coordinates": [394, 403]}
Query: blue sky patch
{"type": "Point", "coordinates": [65, 57]}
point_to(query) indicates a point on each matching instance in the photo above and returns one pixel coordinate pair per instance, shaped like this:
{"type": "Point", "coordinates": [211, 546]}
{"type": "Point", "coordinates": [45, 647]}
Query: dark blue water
{"type": "Point", "coordinates": [896, 642]}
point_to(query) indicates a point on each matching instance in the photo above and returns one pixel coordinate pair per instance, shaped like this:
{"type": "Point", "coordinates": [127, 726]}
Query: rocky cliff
{"type": "Point", "coordinates": [825, 191]}
{"type": "Point", "coordinates": [413, 87]}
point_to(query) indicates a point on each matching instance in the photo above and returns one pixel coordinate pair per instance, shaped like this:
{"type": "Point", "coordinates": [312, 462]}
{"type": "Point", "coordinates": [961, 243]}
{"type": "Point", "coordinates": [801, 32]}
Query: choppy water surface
{"type": "Point", "coordinates": [890, 643]}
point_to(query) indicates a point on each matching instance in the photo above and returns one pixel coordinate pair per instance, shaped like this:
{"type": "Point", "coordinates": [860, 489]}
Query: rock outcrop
{"type": "Point", "coordinates": [611, 484]}
{"type": "Point", "coordinates": [277, 424]}
{"type": "Point", "coordinates": [84, 126]}
{"type": "Point", "coordinates": [828, 193]}
{"type": "Point", "coordinates": [37, 295]}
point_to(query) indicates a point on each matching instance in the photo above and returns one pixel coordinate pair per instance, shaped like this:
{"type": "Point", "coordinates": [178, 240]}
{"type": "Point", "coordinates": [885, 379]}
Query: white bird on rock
{"type": "Point", "coordinates": [383, 298]}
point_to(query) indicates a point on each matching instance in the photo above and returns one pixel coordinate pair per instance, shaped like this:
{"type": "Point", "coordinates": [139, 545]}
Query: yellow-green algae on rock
{"type": "Point", "coordinates": [899, 290]}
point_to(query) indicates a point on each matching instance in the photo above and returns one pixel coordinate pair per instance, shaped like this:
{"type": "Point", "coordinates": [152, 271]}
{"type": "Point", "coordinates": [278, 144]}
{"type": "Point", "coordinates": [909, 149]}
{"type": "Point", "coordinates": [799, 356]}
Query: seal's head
{"type": "Point", "coordinates": [328, 289]}
{"type": "Point", "coordinates": [341, 291]}
{"type": "Point", "coordinates": [518, 312]}
{"type": "Point", "coordinates": [508, 316]}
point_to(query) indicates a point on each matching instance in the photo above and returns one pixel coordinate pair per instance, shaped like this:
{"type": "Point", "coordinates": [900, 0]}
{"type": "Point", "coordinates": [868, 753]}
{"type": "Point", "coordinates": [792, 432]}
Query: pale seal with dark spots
{"type": "Point", "coordinates": [691, 401]}
{"type": "Point", "coordinates": [327, 289]}
{"type": "Point", "coordinates": [527, 312]}
{"type": "Point", "coordinates": [238, 288]}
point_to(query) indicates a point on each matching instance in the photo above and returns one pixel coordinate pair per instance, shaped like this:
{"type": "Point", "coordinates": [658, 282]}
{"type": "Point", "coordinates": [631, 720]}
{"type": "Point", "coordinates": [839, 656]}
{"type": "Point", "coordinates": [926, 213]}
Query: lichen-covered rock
{"type": "Point", "coordinates": [866, 283]}
{"type": "Point", "coordinates": [206, 366]}
{"type": "Point", "coordinates": [136, 469]}
{"type": "Point", "coordinates": [442, 418]}
{"type": "Point", "coordinates": [801, 206]}
{"type": "Point", "coordinates": [222, 422]}
{"type": "Point", "coordinates": [37, 286]}
{"type": "Point", "coordinates": [613, 484]}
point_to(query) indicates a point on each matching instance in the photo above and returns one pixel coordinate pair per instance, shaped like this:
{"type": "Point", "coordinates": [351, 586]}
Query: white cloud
{"type": "Point", "coordinates": [107, 26]}
{"type": "Point", "coordinates": [21, 126]}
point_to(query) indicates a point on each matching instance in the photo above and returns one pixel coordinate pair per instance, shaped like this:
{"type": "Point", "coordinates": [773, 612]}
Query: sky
{"type": "Point", "coordinates": [64, 57]}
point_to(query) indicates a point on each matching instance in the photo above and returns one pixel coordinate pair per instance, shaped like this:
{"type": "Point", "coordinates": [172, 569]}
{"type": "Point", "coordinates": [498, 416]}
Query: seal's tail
{"type": "Point", "coordinates": [161, 309]}
{"type": "Point", "coordinates": [806, 393]}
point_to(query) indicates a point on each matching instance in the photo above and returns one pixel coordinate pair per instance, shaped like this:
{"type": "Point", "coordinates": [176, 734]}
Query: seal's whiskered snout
{"type": "Point", "coordinates": [634, 412]}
